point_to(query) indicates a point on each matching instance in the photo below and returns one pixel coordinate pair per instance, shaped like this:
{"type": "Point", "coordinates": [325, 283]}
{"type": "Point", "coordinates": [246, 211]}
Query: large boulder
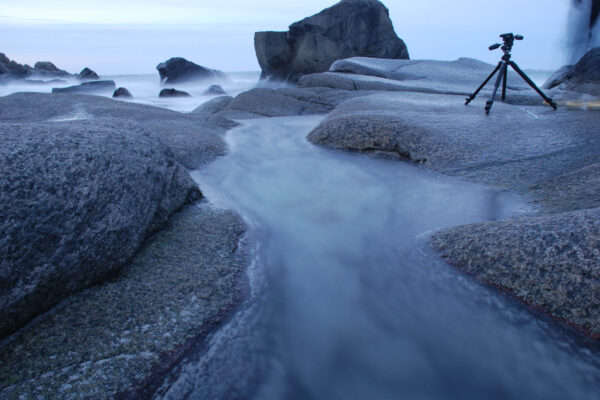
{"type": "Point", "coordinates": [350, 28]}
{"type": "Point", "coordinates": [122, 93]}
{"type": "Point", "coordinates": [173, 93]}
{"type": "Point", "coordinates": [88, 87]}
{"type": "Point", "coordinates": [180, 70]}
{"type": "Point", "coordinates": [77, 200]}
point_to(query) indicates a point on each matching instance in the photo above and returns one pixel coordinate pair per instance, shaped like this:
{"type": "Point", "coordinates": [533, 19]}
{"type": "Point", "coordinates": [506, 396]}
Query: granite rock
{"type": "Point", "coordinates": [347, 29]}
{"type": "Point", "coordinates": [551, 263]}
{"type": "Point", "coordinates": [180, 70]}
{"type": "Point", "coordinates": [87, 74]}
{"type": "Point", "coordinates": [122, 93]}
{"type": "Point", "coordinates": [173, 93]}
{"type": "Point", "coordinates": [78, 198]}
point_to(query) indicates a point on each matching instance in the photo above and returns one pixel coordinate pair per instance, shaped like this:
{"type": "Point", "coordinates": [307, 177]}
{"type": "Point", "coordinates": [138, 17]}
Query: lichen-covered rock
{"type": "Point", "coordinates": [349, 28]}
{"type": "Point", "coordinates": [78, 195]}
{"type": "Point", "coordinates": [550, 262]}
{"type": "Point", "coordinates": [180, 70]}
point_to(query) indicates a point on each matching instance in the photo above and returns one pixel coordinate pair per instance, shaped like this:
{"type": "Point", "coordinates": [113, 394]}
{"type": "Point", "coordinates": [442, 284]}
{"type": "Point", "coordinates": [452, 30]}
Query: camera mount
{"type": "Point", "coordinates": [506, 47]}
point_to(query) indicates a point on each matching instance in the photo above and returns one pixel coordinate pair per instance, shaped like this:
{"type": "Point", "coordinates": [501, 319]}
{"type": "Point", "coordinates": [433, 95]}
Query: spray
{"type": "Point", "coordinates": [584, 29]}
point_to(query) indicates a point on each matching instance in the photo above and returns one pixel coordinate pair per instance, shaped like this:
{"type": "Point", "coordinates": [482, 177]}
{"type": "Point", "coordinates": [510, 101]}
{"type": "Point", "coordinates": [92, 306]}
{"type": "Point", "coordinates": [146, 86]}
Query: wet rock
{"type": "Point", "coordinates": [173, 93]}
{"type": "Point", "coordinates": [87, 74]}
{"type": "Point", "coordinates": [122, 93]}
{"type": "Point", "coordinates": [180, 70]}
{"type": "Point", "coordinates": [214, 90]}
{"type": "Point", "coordinates": [78, 199]}
{"type": "Point", "coordinates": [88, 87]}
{"type": "Point", "coordinates": [550, 262]}
{"type": "Point", "coordinates": [585, 76]}
{"type": "Point", "coordinates": [347, 29]}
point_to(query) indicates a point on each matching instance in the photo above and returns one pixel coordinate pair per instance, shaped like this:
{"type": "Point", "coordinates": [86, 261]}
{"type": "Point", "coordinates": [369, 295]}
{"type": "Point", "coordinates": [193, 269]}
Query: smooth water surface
{"type": "Point", "coordinates": [355, 303]}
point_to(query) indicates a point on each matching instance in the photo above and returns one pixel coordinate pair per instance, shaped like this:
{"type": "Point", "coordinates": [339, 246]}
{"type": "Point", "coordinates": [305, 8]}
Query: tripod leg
{"type": "Point", "coordinates": [504, 79]}
{"type": "Point", "coordinates": [471, 97]}
{"type": "Point", "coordinates": [530, 82]}
{"type": "Point", "coordinates": [490, 102]}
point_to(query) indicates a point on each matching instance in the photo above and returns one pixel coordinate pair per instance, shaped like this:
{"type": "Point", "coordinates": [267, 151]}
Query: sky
{"type": "Point", "coordinates": [133, 36]}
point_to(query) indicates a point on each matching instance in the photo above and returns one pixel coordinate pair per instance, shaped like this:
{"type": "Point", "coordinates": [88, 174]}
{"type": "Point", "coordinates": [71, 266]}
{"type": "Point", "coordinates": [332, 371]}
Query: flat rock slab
{"type": "Point", "coordinates": [192, 139]}
{"type": "Point", "coordinates": [514, 147]}
{"type": "Point", "coordinates": [278, 102]}
{"type": "Point", "coordinates": [115, 337]}
{"type": "Point", "coordinates": [552, 262]}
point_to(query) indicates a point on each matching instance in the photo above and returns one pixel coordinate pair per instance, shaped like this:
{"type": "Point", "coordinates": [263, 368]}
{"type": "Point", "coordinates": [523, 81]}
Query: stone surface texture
{"type": "Point", "coordinates": [347, 29]}
{"type": "Point", "coordinates": [114, 340]}
{"type": "Point", "coordinates": [551, 263]}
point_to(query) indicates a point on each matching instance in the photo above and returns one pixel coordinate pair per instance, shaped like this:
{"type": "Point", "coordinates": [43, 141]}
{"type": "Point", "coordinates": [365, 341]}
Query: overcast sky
{"type": "Point", "coordinates": [132, 36]}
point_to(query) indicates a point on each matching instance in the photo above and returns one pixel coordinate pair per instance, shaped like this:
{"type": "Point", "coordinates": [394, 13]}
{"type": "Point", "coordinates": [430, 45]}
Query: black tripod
{"type": "Point", "coordinates": [509, 40]}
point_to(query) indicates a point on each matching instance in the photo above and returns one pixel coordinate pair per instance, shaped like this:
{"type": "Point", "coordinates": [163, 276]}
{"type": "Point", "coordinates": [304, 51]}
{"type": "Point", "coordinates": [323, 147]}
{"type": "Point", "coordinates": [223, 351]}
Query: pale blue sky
{"type": "Point", "coordinates": [132, 36]}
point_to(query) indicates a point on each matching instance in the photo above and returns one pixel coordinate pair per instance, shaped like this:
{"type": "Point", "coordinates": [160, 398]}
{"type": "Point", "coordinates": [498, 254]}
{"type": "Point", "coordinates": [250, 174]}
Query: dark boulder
{"type": "Point", "coordinates": [77, 199]}
{"type": "Point", "coordinates": [559, 77]}
{"type": "Point", "coordinates": [87, 74]}
{"type": "Point", "coordinates": [88, 87]}
{"type": "Point", "coordinates": [350, 28]}
{"type": "Point", "coordinates": [178, 70]}
{"type": "Point", "coordinates": [122, 93]}
{"type": "Point", "coordinates": [215, 90]}
{"type": "Point", "coordinates": [173, 93]}
{"type": "Point", "coordinates": [47, 69]}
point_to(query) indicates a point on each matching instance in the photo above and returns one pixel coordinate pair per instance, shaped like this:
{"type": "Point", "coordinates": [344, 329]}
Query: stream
{"type": "Point", "coordinates": [347, 299]}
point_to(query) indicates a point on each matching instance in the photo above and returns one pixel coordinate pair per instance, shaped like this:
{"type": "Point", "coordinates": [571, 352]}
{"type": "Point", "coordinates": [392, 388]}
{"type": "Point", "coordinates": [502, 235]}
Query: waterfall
{"type": "Point", "coordinates": [583, 33]}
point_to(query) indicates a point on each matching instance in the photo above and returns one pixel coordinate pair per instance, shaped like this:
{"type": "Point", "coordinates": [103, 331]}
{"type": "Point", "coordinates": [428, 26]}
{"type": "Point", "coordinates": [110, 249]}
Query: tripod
{"type": "Point", "coordinates": [502, 66]}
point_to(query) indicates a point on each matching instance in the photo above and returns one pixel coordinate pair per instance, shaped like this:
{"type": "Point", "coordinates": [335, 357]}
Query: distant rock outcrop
{"type": "Point", "coordinates": [350, 28]}
{"type": "Point", "coordinates": [180, 70]}
{"type": "Point", "coordinates": [10, 69]}
{"type": "Point", "coordinates": [122, 93]}
{"type": "Point", "coordinates": [88, 87]}
{"type": "Point", "coordinates": [87, 74]}
{"type": "Point", "coordinates": [173, 93]}
{"type": "Point", "coordinates": [46, 68]}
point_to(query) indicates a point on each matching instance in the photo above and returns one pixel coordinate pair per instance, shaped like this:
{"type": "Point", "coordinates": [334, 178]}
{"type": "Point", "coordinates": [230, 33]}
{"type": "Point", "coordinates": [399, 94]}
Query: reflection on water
{"type": "Point", "coordinates": [356, 305]}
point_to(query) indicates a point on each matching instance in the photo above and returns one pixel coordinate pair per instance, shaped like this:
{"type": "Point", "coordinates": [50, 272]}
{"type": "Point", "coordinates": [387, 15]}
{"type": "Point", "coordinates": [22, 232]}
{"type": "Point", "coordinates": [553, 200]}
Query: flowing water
{"type": "Point", "coordinates": [347, 299]}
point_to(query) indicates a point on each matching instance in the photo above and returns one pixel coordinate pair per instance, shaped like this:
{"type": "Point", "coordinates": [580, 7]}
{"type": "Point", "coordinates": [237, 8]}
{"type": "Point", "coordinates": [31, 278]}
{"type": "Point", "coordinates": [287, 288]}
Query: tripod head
{"type": "Point", "coordinates": [509, 40]}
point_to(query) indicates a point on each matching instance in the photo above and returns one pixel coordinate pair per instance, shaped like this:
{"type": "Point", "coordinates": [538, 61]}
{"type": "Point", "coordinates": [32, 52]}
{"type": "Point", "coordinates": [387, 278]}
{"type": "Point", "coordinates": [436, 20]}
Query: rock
{"type": "Point", "coordinates": [349, 28]}
{"type": "Point", "coordinates": [550, 262]}
{"type": "Point", "coordinates": [87, 74]}
{"type": "Point", "coordinates": [78, 198]}
{"type": "Point", "coordinates": [122, 93]}
{"type": "Point", "coordinates": [48, 82]}
{"type": "Point", "coordinates": [513, 148]}
{"type": "Point", "coordinates": [46, 68]}
{"type": "Point", "coordinates": [279, 102]}
{"type": "Point", "coordinates": [180, 70]}
{"type": "Point", "coordinates": [585, 76]}
{"type": "Point", "coordinates": [192, 140]}
{"type": "Point", "coordinates": [173, 93]}
{"type": "Point", "coordinates": [213, 106]}
{"type": "Point", "coordinates": [214, 90]}
{"type": "Point", "coordinates": [88, 87]}
{"type": "Point", "coordinates": [10, 69]}
{"type": "Point", "coordinates": [559, 77]}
